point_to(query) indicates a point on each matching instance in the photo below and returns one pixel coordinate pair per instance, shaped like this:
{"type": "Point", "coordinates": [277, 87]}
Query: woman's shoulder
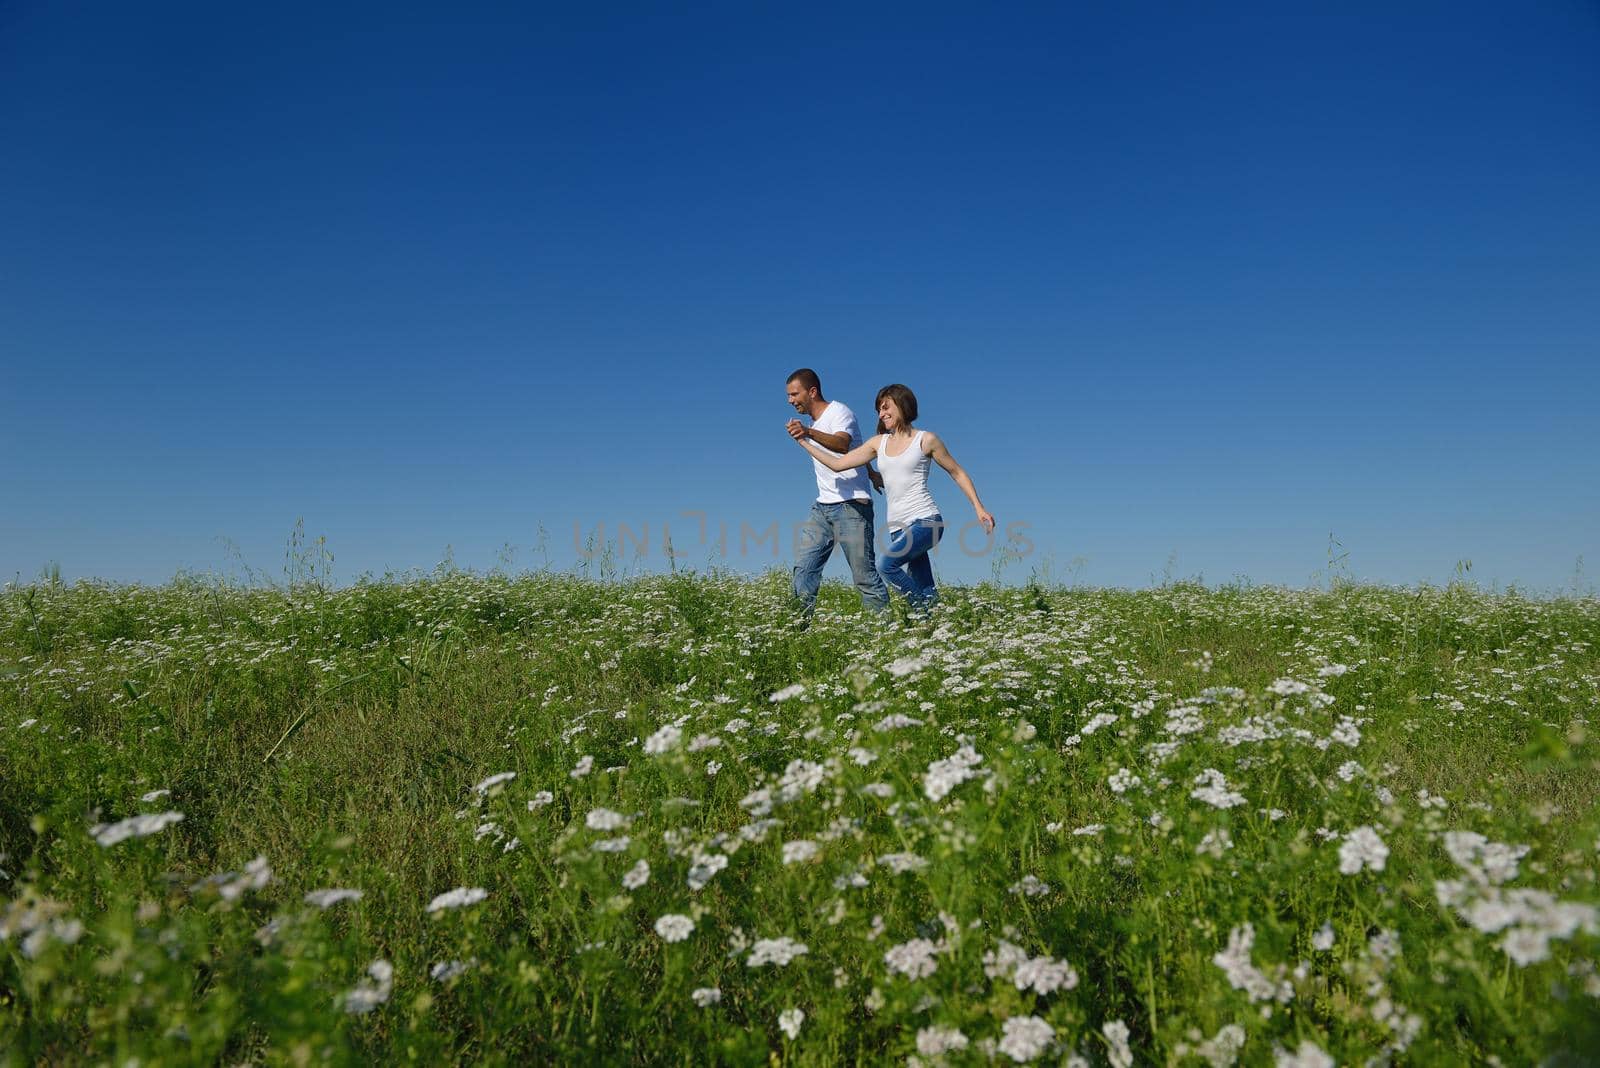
{"type": "Point", "coordinates": [929, 440]}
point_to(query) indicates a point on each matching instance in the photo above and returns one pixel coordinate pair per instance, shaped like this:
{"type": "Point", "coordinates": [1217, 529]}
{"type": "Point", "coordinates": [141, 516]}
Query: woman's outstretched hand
{"type": "Point", "coordinates": [986, 521]}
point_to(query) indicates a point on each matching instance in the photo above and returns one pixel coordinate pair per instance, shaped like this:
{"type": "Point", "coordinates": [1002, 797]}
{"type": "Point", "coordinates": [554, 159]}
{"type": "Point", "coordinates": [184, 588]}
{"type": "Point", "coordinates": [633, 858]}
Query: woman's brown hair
{"type": "Point", "coordinates": [903, 399]}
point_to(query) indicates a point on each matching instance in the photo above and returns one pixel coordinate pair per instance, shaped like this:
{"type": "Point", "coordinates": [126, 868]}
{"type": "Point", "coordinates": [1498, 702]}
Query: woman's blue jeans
{"type": "Point", "coordinates": [905, 564]}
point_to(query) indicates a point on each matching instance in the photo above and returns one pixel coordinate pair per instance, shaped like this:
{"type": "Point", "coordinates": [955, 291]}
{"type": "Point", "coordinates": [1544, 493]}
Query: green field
{"type": "Point", "coordinates": [1174, 826]}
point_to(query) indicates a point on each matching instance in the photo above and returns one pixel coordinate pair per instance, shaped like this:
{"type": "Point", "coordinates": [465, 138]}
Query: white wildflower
{"type": "Point", "coordinates": [706, 996]}
{"type": "Point", "coordinates": [326, 899]}
{"type": "Point", "coordinates": [1044, 975]}
{"type": "Point", "coordinates": [1362, 848]}
{"type": "Point", "coordinates": [937, 1041]}
{"type": "Point", "coordinates": [483, 788]}
{"type": "Point", "coordinates": [900, 863]}
{"type": "Point", "coordinates": [704, 867]}
{"type": "Point", "coordinates": [789, 1022]}
{"type": "Point", "coordinates": [603, 819]}
{"type": "Point", "coordinates": [778, 951]}
{"type": "Point", "coordinates": [913, 959]}
{"type": "Point", "coordinates": [1309, 1055]}
{"type": "Point", "coordinates": [1212, 788]}
{"type": "Point", "coordinates": [447, 970]}
{"type": "Point", "coordinates": [664, 740]}
{"type": "Point", "coordinates": [369, 995]}
{"type": "Point", "coordinates": [1117, 1052]}
{"type": "Point", "coordinates": [109, 834]}
{"type": "Point", "coordinates": [674, 927]}
{"type": "Point", "coordinates": [1122, 780]}
{"type": "Point", "coordinates": [1025, 1037]}
{"type": "Point", "coordinates": [636, 876]}
{"type": "Point", "coordinates": [799, 851]}
{"type": "Point", "coordinates": [459, 898]}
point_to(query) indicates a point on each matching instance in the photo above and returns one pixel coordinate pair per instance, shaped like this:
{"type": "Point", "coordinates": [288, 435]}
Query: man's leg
{"type": "Point", "coordinates": [854, 531]}
{"type": "Point", "coordinates": [811, 554]}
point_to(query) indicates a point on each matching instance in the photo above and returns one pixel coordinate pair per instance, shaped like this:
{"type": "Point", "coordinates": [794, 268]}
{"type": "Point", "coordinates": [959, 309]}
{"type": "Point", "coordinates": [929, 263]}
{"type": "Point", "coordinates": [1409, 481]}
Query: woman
{"type": "Point", "coordinates": [915, 525]}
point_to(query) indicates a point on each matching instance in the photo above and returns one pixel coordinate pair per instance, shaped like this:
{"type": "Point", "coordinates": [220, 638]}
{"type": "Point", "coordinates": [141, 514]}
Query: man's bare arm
{"type": "Point", "coordinates": [834, 442]}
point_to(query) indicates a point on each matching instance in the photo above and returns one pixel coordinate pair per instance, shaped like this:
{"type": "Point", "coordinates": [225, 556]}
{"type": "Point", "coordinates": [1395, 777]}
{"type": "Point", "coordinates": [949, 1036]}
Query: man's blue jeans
{"type": "Point", "coordinates": [849, 525]}
{"type": "Point", "coordinates": [906, 566]}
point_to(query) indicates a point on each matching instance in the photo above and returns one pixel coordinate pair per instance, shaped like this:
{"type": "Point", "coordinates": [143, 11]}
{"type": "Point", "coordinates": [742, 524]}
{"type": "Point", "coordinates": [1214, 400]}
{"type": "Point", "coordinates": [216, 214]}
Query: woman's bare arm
{"type": "Point", "coordinates": [862, 454]}
{"type": "Point", "coordinates": [941, 456]}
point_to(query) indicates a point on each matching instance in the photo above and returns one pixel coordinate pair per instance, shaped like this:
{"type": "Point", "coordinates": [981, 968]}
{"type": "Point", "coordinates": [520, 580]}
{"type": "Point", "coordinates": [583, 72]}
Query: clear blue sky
{"type": "Point", "coordinates": [1212, 280]}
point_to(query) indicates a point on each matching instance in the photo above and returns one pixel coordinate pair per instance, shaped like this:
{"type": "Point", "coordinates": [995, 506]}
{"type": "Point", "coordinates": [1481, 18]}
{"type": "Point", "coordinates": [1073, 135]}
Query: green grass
{"type": "Point", "coordinates": [339, 734]}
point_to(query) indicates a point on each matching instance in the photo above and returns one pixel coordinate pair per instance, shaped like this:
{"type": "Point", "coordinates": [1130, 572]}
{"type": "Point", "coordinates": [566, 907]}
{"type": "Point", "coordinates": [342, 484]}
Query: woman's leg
{"type": "Point", "coordinates": [891, 564]}
{"type": "Point", "coordinates": [905, 564]}
{"type": "Point", "coordinates": [921, 566]}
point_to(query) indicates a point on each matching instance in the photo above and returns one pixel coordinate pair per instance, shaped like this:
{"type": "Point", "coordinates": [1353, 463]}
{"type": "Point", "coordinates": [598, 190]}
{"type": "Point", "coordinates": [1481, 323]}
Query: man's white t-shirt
{"type": "Point", "coordinates": [832, 486]}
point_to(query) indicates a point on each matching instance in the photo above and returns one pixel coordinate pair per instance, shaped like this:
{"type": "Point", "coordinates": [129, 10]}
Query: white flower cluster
{"type": "Point", "coordinates": [368, 995]}
{"type": "Point", "coordinates": [1212, 788]}
{"type": "Point", "coordinates": [704, 867]}
{"type": "Point", "coordinates": [109, 834]}
{"type": "Point", "coordinates": [1024, 1038]}
{"type": "Point", "coordinates": [1362, 848]}
{"type": "Point", "coordinates": [1101, 719]}
{"type": "Point", "coordinates": [500, 779]}
{"type": "Point", "coordinates": [945, 775]}
{"type": "Point", "coordinates": [1122, 780]}
{"type": "Point", "coordinates": [907, 665]}
{"type": "Point", "coordinates": [799, 851]}
{"type": "Point", "coordinates": [937, 1041]}
{"type": "Point", "coordinates": [778, 951]}
{"type": "Point", "coordinates": [603, 819]}
{"type": "Point", "coordinates": [1043, 974]}
{"type": "Point", "coordinates": [40, 922]}
{"type": "Point", "coordinates": [914, 959]}
{"type": "Point", "coordinates": [231, 885]}
{"type": "Point", "coordinates": [326, 899]}
{"type": "Point", "coordinates": [1244, 975]}
{"type": "Point", "coordinates": [800, 777]}
{"type": "Point", "coordinates": [1531, 919]}
{"type": "Point", "coordinates": [1308, 1055]}
{"type": "Point", "coordinates": [900, 863]}
{"type": "Point", "coordinates": [674, 927]}
{"type": "Point", "coordinates": [1118, 1053]}
{"type": "Point", "coordinates": [663, 741]}
{"type": "Point", "coordinates": [636, 876]}
{"type": "Point", "coordinates": [459, 898]}
{"type": "Point", "coordinates": [447, 970]}
{"type": "Point", "coordinates": [1220, 1050]}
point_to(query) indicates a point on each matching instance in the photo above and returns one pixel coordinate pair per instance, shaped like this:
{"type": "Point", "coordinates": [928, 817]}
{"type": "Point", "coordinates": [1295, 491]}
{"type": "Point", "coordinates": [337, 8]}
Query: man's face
{"type": "Point", "coordinates": [801, 396]}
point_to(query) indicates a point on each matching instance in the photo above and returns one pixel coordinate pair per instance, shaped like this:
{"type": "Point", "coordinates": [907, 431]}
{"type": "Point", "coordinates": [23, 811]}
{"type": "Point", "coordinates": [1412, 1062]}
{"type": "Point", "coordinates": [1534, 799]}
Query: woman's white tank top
{"type": "Point", "coordinates": [905, 483]}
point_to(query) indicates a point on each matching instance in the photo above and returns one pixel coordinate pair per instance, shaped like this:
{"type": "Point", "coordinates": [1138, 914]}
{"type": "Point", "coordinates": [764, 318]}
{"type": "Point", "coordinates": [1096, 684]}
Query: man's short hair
{"type": "Point", "coordinates": [807, 378]}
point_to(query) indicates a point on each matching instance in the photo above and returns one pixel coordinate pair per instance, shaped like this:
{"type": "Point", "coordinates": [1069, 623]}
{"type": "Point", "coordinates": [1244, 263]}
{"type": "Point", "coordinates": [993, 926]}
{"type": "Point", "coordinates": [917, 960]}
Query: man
{"type": "Point", "coordinates": [842, 513]}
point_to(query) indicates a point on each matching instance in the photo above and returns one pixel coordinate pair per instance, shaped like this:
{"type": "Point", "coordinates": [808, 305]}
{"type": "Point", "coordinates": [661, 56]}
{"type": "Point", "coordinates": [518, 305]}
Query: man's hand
{"type": "Point", "coordinates": [877, 479]}
{"type": "Point", "coordinates": [797, 430]}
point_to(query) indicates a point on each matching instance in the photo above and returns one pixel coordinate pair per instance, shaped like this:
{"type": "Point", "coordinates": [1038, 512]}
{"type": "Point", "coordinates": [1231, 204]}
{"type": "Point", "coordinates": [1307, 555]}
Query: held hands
{"type": "Point", "coordinates": [797, 430]}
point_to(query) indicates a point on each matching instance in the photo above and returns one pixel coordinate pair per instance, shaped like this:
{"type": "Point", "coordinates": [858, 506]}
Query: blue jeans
{"type": "Point", "coordinates": [906, 566]}
{"type": "Point", "coordinates": [849, 525]}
